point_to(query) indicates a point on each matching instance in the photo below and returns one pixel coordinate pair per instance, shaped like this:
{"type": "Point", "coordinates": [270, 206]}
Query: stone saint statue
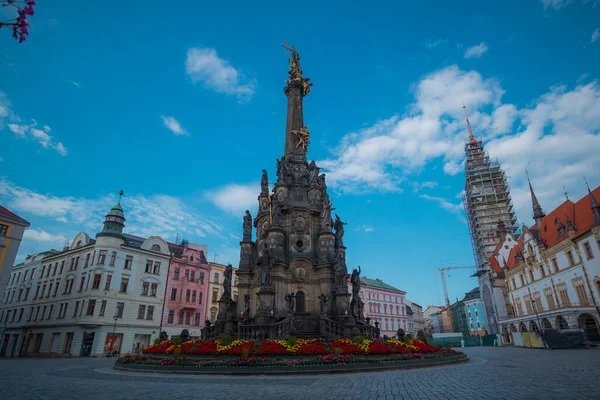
{"type": "Point", "coordinates": [265, 267]}
{"type": "Point", "coordinates": [323, 299]}
{"type": "Point", "coordinates": [306, 84]}
{"type": "Point", "coordinates": [313, 174]}
{"type": "Point", "coordinates": [246, 312]}
{"type": "Point", "coordinates": [340, 270]}
{"type": "Point", "coordinates": [264, 182]}
{"type": "Point", "coordinates": [338, 225]}
{"type": "Point", "coordinates": [247, 226]}
{"type": "Point", "coordinates": [326, 215]}
{"type": "Point", "coordinates": [321, 182]}
{"type": "Point", "coordinates": [355, 280]}
{"type": "Point", "coordinates": [291, 302]}
{"type": "Point", "coordinates": [275, 212]}
{"type": "Point", "coordinates": [227, 282]}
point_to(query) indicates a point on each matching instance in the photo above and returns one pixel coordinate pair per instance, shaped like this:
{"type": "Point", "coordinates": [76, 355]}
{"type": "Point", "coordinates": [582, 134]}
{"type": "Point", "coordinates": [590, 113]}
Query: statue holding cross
{"type": "Point", "coordinates": [295, 73]}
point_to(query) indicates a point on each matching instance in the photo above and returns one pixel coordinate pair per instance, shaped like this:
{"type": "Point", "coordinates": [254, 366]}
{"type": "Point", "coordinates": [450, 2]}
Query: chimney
{"type": "Point", "coordinates": [66, 248]}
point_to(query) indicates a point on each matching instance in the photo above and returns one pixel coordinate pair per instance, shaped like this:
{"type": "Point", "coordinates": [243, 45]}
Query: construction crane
{"type": "Point", "coordinates": [443, 272]}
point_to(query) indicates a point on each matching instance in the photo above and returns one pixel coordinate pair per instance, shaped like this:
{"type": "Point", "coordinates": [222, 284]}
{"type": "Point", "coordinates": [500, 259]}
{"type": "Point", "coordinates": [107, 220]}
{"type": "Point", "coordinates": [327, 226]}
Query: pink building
{"type": "Point", "coordinates": [384, 304]}
{"type": "Point", "coordinates": [187, 286]}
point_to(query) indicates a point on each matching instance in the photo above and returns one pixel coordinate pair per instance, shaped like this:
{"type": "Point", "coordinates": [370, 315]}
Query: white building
{"type": "Point", "coordinates": [415, 318]}
{"type": "Point", "coordinates": [553, 271]}
{"type": "Point", "coordinates": [93, 297]}
{"type": "Point", "coordinates": [215, 289]}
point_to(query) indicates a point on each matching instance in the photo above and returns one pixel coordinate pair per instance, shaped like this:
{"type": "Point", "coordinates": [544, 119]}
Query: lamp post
{"type": "Point", "coordinates": [114, 339]}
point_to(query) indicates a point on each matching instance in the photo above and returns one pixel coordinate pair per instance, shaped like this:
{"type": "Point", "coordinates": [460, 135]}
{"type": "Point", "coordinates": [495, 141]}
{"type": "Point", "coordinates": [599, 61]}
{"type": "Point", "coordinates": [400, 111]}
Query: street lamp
{"type": "Point", "coordinates": [114, 338]}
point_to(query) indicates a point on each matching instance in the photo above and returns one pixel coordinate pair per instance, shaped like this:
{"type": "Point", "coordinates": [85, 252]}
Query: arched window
{"type": "Point", "coordinates": [561, 323]}
{"type": "Point", "coordinates": [299, 302]}
{"type": "Point", "coordinates": [534, 327]}
{"type": "Point", "coordinates": [546, 324]}
{"type": "Point", "coordinates": [155, 247]}
{"type": "Point", "coordinates": [522, 327]}
{"type": "Point", "coordinates": [385, 308]}
{"type": "Point", "coordinates": [398, 310]}
{"type": "Point", "coordinates": [530, 250]}
{"type": "Point", "coordinates": [216, 278]}
{"type": "Point", "coordinates": [78, 243]}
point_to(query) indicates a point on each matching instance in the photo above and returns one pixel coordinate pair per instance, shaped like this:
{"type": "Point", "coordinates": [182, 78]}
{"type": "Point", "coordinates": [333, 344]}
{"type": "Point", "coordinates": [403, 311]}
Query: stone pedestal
{"type": "Point", "coordinates": [266, 295]}
{"type": "Point", "coordinates": [246, 255]}
{"type": "Point", "coordinates": [326, 248]}
{"type": "Point", "coordinates": [342, 304]}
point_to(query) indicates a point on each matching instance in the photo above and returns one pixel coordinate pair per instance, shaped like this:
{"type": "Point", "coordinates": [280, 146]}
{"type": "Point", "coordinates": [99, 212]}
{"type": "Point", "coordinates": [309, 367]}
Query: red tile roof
{"type": "Point", "coordinates": [10, 214]}
{"type": "Point", "coordinates": [580, 214]}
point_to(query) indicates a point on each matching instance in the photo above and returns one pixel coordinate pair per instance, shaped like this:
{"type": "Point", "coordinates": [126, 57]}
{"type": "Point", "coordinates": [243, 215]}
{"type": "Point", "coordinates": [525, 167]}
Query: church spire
{"type": "Point", "coordinates": [471, 137]}
{"type": "Point", "coordinates": [538, 213]}
{"type": "Point", "coordinates": [593, 204]}
{"type": "Point", "coordinates": [297, 137]}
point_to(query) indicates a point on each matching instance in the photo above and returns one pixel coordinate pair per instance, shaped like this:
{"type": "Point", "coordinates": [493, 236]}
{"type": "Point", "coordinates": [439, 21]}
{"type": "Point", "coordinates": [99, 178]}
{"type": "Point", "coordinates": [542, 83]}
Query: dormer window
{"type": "Point", "coordinates": [561, 231]}
{"type": "Point", "coordinates": [155, 247]}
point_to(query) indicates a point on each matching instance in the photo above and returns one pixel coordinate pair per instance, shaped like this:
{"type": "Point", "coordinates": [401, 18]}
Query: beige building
{"type": "Point", "coordinates": [12, 228]}
{"type": "Point", "coordinates": [215, 289]}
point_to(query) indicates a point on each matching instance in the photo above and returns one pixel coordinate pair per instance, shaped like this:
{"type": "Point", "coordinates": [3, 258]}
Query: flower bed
{"type": "Point", "coordinates": [292, 346]}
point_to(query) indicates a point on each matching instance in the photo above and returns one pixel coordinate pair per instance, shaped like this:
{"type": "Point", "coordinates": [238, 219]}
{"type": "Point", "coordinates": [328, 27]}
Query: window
{"type": "Point", "coordinates": [37, 292]}
{"type": "Point", "coordinates": [180, 319]}
{"type": "Point", "coordinates": [478, 325]}
{"type": "Point", "coordinates": [87, 260]}
{"type": "Point", "coordinates": [171, 317]}
{"type": "Point", "coordinates": [563, 295]}
{"type": "Point", "coordinates": [48, 271]}
{"type": "Point", "coordinates": [176, 273]}
{"type": "Point", "coordinates": [91, 306]}
{"type": "Point", "coordinates": [213, 315]}
{"type": "Point", "coordinates": [476, 313]}
{"type": "Point", "coordinates": [76, 309]}
{"type": "Point", "coordinates": [128, 262]}
{"type": "Point", "coordinates": [216, 278]}
{"type": "Point", "coordinates": [23, 310]}
{"type": "Point", "coordinates": [522, 280]}
{"type": "Point", "coordinates": [37, 313]}
{"type": "Point", "coordinates": [25, 276]}
{"type": "Point", "coordinates": [107, 284]}
{"type": "Point", "coordinates": [76, 262]}
{"type": "Point", "coordinates": [187, 318]}
{"type": "Point", "coordinates": [141, 312]}
{"type": "Point", "coordinates": [32, 274]}
{"type": "Point", "coordinates": [174, 294]}
{"type": "Point", "coordinates": [149, 266]}
{"type": "Point", "coordinates": [215, 296]}
{"type": "Point", "coordinates": [97, 279]}
{"type": "Point", "coordinates": [194, 296]}
{"type": "Point", "coordinates": [49, 290]}
{"type": "Point", "coordinates": [82, 283]}
{"type": "Point", "coordinates": [192, 276]}
{"type": "Point", "coordinates": [62, 265]}
{"type": "Point", "coordinates": [153, 289]}
{"type": "Point", "coordinates": [570, 257]}
{"type": "Point", "coordinates": [155, 247]}
{"type": "Point", "coordinates": [102, 308]}
{"type": "Point", "coordinates": [187, 275]}
{"type": "Point", "coordinates": [530, 275]}
{"type": "Point", "coordinates": [124, 283]}
{"type": "Point", "coordinates": [197, 319]}
{"type": "Point", "coordinates": [513, 283]}
{"type": "Point", "coordinates": [580, 290]}
{"type": "Point", "coordinates": [102, 257]}
{"type": "Point", "coordinates": [200, 297]}
{"type": "Point", "coordinates": [60, 310]}
{"type": "Point", "coordinates": [113, 258]}
{"type": "Point", "coordinates": [555, 265]}
{"type": "Point", "coordinates": [119, 310]}
{"type": "Point", "coordinates": [588, 250]}
{"type": "Point", "coordinates": [537, 302]}
{"type": "Point", "coordinates": [3, 229]}
{"type": "Point", "coordinates": [549, 298]}
{"type": "Point", "coordinates": [41, 294]}
{"type": "Point", "coordinates": [202, 277]}
{"type": "Point", "coordinates": [20, 294]}
{"type": "Point", "coordinates": [187, 295]}
{"type": "Point", "coordinates": [28, 289]}
{"type": "Point", "coordinates": [150, 313]}
{"type": "Point", "coordinates": [542, 271]}
{"type": "Point", "coordinates": [156, 268]}
{"type": "Point", "coordinates": [145, 287]}
{"type": "Point", "coordinates": [65, 309]}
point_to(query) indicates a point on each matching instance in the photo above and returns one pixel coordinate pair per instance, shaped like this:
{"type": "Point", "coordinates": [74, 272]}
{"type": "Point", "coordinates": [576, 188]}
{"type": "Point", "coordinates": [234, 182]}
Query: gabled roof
{"type": "Point", "coordinates": [9, 214]}
{"type": "Point", "coordinates": [378, 284]}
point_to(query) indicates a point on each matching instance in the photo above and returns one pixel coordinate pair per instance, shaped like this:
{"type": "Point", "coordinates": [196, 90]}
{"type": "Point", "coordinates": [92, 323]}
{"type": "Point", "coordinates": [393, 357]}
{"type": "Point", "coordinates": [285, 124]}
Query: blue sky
{"type": "Point", "coordinates": [182, 107]}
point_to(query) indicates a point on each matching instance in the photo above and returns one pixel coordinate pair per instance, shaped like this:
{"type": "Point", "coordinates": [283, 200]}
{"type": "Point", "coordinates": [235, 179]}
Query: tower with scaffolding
{"type": "Point", "coordinates": [488, 206]}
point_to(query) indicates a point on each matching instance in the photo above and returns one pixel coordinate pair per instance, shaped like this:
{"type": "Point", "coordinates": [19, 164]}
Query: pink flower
{"type": "Point", "coordinates": [28, 10]}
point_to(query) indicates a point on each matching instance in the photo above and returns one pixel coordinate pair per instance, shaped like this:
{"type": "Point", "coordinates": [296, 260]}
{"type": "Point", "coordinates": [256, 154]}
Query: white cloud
{"type": "Point", "coordinates": [235, 198]}
{"type": "Point", "coordinates": [556, 4]}
{"type": "Point", "coordinates": [204, 65]}
{"type": "Point", "coordinates": [364, 228]}
{"type": "Point", "coordinates": [43, 236]}
{"type": "Point", "coordinates": [454, 208]}
{"type": "Point", "coordinates": [1, 159]}
{"type": "Point", "coordinates": [595, 35]}
{"type": "Point", "coordinates": [418, 186]}
{"type": "Point", "coordinates": [174, 126]}
{"type": "Point", "coordinates": [28, 131]}
{"type": "Point", "coordinates": [74, 83]}
{"type": "Point", "coordinates": [476, 51]}
{"type": "Point", "coordinates": [435, 43]}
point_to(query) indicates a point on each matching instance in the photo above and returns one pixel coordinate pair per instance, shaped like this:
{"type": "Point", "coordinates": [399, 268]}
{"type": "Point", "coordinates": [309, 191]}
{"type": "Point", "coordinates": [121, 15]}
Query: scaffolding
{"type": "Point", "coordinates": [487, 201]}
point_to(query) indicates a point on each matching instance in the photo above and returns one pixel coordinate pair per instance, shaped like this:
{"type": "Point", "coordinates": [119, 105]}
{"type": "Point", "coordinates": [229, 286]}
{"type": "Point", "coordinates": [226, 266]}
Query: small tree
{"type": "Point", "coordinates": [20, 26]}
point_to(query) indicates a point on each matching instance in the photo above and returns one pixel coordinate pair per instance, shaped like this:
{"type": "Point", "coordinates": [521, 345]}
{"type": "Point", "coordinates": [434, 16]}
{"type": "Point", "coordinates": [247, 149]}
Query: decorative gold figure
{"type": "Point", "coordinates": [306, 86]}
{"type": "Point", "coordinates": [303, 136]}
{"type": "Point", "coordinates": [295, 73]}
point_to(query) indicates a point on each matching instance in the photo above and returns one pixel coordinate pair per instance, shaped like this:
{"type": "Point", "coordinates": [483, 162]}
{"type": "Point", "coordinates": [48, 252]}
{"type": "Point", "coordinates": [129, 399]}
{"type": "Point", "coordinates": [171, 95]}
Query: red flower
{"type": "Point", "coordinates": [315, 348]}
{"type": "Point", "coordinates": [399, 348]}
{"type": "Point", "coordinates": [238, 350]}
{"type": "Point", "coordinates": [271, 348]}
{"type": "Point", "coordinates": [158, 348]}
{"type": "Point", "coordinates": [347, 348]}
{"type": "Point", "coordinates": [206, 347]}
{"type": "Point", "coordinates": [379, 348]}
{"type": "Point", "coordinates": [424, 347]}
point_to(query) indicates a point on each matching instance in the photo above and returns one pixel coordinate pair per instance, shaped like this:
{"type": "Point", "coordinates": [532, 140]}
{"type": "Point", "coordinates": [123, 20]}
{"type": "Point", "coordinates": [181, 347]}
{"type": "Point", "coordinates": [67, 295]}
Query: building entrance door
{"type": "Point", "coordinates": [86, 344]}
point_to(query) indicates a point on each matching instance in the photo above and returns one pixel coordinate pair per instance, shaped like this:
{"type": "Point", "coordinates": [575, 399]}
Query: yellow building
{"type": "Point", "coordinates": [215, 289]}
{"type": "Point", "coordinates": [12, 228]}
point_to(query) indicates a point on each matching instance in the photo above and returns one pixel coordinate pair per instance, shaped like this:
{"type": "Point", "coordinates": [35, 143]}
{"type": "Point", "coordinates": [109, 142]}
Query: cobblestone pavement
{"type": "Point", "coordinates": [492, 373]}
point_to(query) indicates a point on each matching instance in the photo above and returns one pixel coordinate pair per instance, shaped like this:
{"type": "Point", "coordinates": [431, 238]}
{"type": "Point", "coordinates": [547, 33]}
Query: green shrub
{"type": "Point", "coordinates": [157, 341]}
{"type": "Point", "coordinates": [291, 340]}
{"type": "Point", "coordinates": [423, 338]}
{"type": "Point", "coordinates": [176, 353]}
{"type": "Point", "coordinates": [226, 340]}
{"type": "Point", "coordinates": [177, 341]}
{"type": "Point", "coordinates": [245, 353]}
{"type": "Point", "coordinates": [359, 339]}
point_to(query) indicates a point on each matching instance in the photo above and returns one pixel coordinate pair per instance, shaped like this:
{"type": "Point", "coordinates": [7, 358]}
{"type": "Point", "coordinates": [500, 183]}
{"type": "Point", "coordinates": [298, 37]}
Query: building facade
{"type": "Point", "coordinates": [414, 319]}
{"type": "Point", "coordinates": [436, 320]}
{"type": "Point", "coordinates": [95, 297]}
{"type": "Point", "coordinates": [385, 305]}
{"type": "Point", "coordinates": [553, 270]}
{"type": "Point", "coordinates": [184, 311]}
{"type": "Point", "coordinates": [458, 315]}
{"type": "Point", "coordinates": [487, 200]}
{"type": "Point", "coordinates": [12, 228]}
{"type": "Point", "coordinates": [215, 289]}
{"type": "Point", "coordinates": [474, 312]}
